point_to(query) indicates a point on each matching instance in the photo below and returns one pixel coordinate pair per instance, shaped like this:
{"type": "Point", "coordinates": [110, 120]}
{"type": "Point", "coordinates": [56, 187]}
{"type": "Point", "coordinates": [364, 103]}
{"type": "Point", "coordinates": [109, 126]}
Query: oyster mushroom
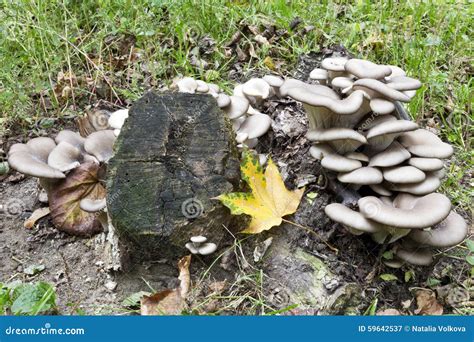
{"type": "Point", "coordinates": [198, 245]}
{"type": "Point", "coordinates": [424, 212]}
{"type": "Point", "coordinates": [366, 69]}
{"type": "Point", "coordinates": [187, 85]}
{"type": "Point", "coordinates": [255, 126]}
{"type": "Point", "coordinates": [65, 157]}
{"type": "Point", "coordinates": [362, 176]}
{"type": "Point", "coordinates": [423, 143]}
{"type": "Point", "coordinates": [391, 156]}
{"type": "Point", "coordinates": [256, 90]}
{"type": "Point", "coordinates": [31, 158]}
{"type": "Point", "coordinates": [383, 134]}
{"type": "Point", "coordinates": [320, 75]}
{"type": "Point", "coordinates": [403, 174]}
{"type": "Point", "coordinates": [343, 140]}
{"type": "Point", "coordinates": [351, 219]}
{"type": "Point", "coordinates": [449, 232]}
{"type": "Point", "coordinates": [334, 66]}
{"type": "Point", "coordinates": [100, 144]}
{"type": "Point", "coordinates": [238, 106]}
{"type": "Point", "coordinates": [426, 164]}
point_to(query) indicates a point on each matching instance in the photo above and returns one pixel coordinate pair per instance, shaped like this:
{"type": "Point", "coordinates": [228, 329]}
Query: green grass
{"type": "Point", "coordinates": [431, 40]}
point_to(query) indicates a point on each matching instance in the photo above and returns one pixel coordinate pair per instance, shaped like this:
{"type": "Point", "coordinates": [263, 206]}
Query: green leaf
{"type": "Point", "coordinates": [32, 299]}
{"type": "Point", "coordinates": [133, 300]}
{"type": "Point", "coordinates": [388, 277]}
{"type": "Point", "coordinates": [409, 275]}
{"type": "Point", "coordinates": [432, 282]}
{"type": "Point", "coordinates": [470, 245]}
{"type": "Point", "coordinates": [470, 259]}
{"type": "Point", "coordinates": [388, 255]}
{"type": "Point", "coordinates": [372, 309]}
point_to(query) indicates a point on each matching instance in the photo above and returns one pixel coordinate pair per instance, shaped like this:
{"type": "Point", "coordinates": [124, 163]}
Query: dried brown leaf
{"type": "Point", "coordinates": [427, 303]}
{"type": "Point", "coordinates": [35, 216]}
{"type": "Point", "coordinates": [65, 197]}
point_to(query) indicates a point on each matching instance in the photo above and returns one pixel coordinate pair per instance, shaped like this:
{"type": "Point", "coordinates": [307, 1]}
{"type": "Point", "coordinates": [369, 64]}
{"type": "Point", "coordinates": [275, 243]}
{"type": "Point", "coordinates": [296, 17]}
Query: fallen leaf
{"type": "Point", "coordinates": [35, 216]}
{"type": "Point", "coordinates": [388, 277]}
{"type": "Point", "coordinates": [427, 303]}
{"type": "Point", "coordinates": [169, 301]}
{"type": "Point", "coordinates": [65, 197]}
{"type": "Point", "coordinates": [269, 63]}
{"type": "Point", "coordinates": [269, 199]}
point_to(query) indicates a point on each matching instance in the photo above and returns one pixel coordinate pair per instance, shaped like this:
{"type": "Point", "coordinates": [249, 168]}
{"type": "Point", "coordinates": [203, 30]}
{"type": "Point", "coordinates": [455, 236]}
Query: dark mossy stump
{"type": "Point", "coordinates": [174, 154]}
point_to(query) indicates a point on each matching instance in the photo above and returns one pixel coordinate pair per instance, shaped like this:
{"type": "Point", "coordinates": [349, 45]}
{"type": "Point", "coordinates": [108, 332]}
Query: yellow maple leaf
{"type": "Point", "coordinates": [269, 199]}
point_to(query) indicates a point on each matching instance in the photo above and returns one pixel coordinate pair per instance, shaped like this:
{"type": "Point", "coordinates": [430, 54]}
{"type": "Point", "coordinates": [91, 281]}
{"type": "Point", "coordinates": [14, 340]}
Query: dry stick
{"type": "Point", "coordinates": [309, 230]}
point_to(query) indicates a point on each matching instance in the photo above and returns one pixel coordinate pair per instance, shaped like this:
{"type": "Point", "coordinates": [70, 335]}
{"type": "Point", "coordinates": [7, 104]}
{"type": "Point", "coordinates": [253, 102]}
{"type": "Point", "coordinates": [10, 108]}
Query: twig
{"type": "Point", "coordinates": [309, 230]}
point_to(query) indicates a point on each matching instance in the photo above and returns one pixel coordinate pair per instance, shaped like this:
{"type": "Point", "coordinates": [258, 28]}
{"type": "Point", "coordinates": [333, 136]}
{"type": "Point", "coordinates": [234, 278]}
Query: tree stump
{"type": "Point", "coordinates": [174, 154]}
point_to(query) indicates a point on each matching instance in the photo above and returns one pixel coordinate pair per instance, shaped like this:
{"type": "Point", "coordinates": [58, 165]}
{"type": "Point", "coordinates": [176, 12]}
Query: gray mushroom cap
{"type": "Point", "coordinates": [207, 248]}
{"type": "Point", "coordinates": [426, 211]}
{"type": "Point", "coordinates": [392, 155]}
{"type": "Point", "coordinates": [403, 174]}
{"type": "Point", "coordinates": [223, 100]}
{"type": "Point", "coordinates": [117, 118]}
{"type": "Point", "coordinates": [274, 81]}
{"type": "Point", "coordinates": [350, 218]}
{"type": "Point", "coordinates": [342, 82]}
{"type": "Point", "coordinates": [255, 126]}
{"type": "Point", "coordinates": [65, 157]}
{"type": "Point", "coordinates": [31, 158]}
{"type": "Point", "coordinates": [426, 164]}
{"type": "Point", "coordinates": [377, 89]}
{"type": "Point", "coordinates": [334, 63]}
{"type": "Point", "coordinates": [449, 232]}
{"type": "Point", "coordinates": [187, 85]}
{"type": "Point", "coordinates": [338, 163]}
{"type": "Point", "coordinates": [423, 143]}
{"type": "Point", "coordinates": [92, 205]}
{"type": "Point", "coordinates": [343, 140]}
{"type": "Point", "coordinates": [417, 256]}
{"type": "Point", "coordinates": [73, 138]}
{"type": "Point", "coordinates": [256, 88]}
{"type": "Point", "coordinates": [100, 144]}
{"type": "Point", "coordinates": [404, 83]}
{"type": "Point", "coordinates": [238, 106]}
{"type": "Point", "coordinates": [198, 239]}
{"type": "Point", "coordinates": [381, 106]}
{"type": "Point", "coordinates": [380, 189]}
{"type": "Point", "coordinates": [366, 69]}
{"type": "Point", "coordinates": [362, 176]}
{"type": "Point", "coordinates": [201, 86]}
{"type": "Point", "coordinates": [318, 74]}
{"type": "Point", "coordinates": [427, 186]}
{"type": "Point", "coordinates": [382, 135]}
{"type": "Point", "coordinates": [357, 156]}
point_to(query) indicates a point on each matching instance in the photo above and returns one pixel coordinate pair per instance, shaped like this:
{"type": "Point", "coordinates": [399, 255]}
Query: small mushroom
{"type": "Point", "coordinates": [256, 90]}
{"type": "Point", "coordinates": [427, 186]}
{"type": "Point", "coordinates": [319, 75]}
{"type": "Point", "coordinates": [201, 86]}
{"type": "Point", "coordinates": [414, 254]}
{"type": "Point", "coordinates": [381, 106]}
{"type": "Point", "coordinates": [198, 245]}
{"type": "Point", "coordinates": [65, 157]}
{"type": "Point", "coordinates": [255, 126]}
{"type": "Point", "coordinates": [376, 89]}
{"type": "Point", "coordinates": [117, 118]}
{"type": "Point", "coordinates": [92, 205]}
{"type": "Point", "coordinates": [100, 144]}
{"type": "Point", "coordinates": [403, 83]}
{"type": "Point", "coordinates": [366, 69]}
{"type": "Point", "coordinates": [238, 106]}
{"type": "Point", "coordinates": [334, 66]}
{"type": "Point", "coordinates": [187, 85]}
{"type": "Point", "coordinates": [223, 100]}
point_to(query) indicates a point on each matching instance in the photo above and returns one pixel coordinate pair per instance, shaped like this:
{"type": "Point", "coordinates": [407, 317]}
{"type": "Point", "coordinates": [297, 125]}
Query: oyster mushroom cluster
{"type": "Point", "coordinates": [242, 106]}
{"type": "Point", "coordinates": [357, 134]}
{"type": "Point", "coordinates": [56, 162]}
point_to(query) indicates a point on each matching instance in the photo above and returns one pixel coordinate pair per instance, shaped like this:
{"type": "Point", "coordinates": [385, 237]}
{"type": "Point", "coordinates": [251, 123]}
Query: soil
{"type": "Point", "coordinates": [80, 269]}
